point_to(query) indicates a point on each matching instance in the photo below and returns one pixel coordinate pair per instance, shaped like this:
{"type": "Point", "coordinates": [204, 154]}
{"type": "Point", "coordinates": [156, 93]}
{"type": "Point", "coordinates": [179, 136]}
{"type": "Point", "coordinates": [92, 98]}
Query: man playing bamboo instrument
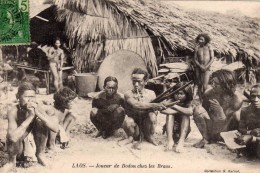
{"type": "Point", "coordinates": [23, 118]}
{"type": "Point", "coordinates": [107, 112]}
{"type": "Point", "coordinates": [203, 58]}
{"type": "Point", "coordinates": [220, 110]}
{"type": "Point", "coordinates": [141, 120]}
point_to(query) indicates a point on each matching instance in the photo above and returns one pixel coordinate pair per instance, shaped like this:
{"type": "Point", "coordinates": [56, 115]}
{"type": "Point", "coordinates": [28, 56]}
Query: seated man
{"type": "Point", "coordinates": [63, 104]}
{"type": "Point", "coordinates": [141, 120]}
{"type": "Point", "coordinates": [107, 112]}
{"type": "Point", "coordinates": [249, 125]}
{"type": "Point", "coordinates": [220, 108]}
{"type": "Point", "coordinates": [26, 117]}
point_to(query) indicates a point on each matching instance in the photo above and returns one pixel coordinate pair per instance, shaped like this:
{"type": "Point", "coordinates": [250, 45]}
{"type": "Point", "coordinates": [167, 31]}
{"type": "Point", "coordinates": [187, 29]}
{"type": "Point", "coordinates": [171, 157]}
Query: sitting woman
{"type": "Point", "coordinates": [178, 118]}
{"type": "Point", "coordinates": [63, 103]}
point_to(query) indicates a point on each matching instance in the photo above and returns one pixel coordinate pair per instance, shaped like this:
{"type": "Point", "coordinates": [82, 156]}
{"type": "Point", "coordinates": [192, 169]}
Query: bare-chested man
{"type": "Point", "coordinates": [249, 125]}
{"type": "Point", "coordinates": [56, 57]}
{"type": "Point", "coordinates": [141, 113]}
{"type": "Point", "coordinates": [203, 58]}
{"type": "Point", "coordinates": [25, 117]}
{"type": "Point", "coordinates": [107, 112]}
{"type": "Point", "coordinates": [220, 110]}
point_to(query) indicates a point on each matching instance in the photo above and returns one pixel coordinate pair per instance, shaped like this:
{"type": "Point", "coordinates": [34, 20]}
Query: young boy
{"type": "Point", "coordinates": [178, 118]}
{"type": "Point", "coordinates": [63, 102]}
{"type": "Point", "coordinates": [203, 58]}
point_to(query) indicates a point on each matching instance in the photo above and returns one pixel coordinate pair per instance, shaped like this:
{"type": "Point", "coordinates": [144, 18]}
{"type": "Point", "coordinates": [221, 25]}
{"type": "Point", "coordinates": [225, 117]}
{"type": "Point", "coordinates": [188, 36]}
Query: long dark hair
{"type": "Point", "coordinates": [205, 36]}
{"type": "Point", "coordinates": [227, 80]}
{"type": "Point", "coordinates": [187, 91]}
{"type": "Point", "coordinates": [62, 98]}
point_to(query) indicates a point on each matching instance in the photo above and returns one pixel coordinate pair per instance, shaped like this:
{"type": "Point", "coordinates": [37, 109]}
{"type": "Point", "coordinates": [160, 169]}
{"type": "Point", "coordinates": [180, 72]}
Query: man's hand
{"type": "Point", "coordinates": [203, 68]}
{"type": "Point", "coordinates": [30, 106]}
{"type": "Point", "coordinates": [169, 111]}
{"type": "Point", "coordinates": [113, 107]}
{"type": "Point", "coordinates": [244, 139]}
{"type": "Point", "coordinates": [255, 132]}
{"type": "Point", "coordinates": [217, 109]}
{"type": "Point", "coordinates": [207, 67]}
{"type": "Point", "coordinates": [159, 106]}
{"type": "Point", "coordinates": [58, 67]}
{"type": "Point", "coordinates": [215, 106]}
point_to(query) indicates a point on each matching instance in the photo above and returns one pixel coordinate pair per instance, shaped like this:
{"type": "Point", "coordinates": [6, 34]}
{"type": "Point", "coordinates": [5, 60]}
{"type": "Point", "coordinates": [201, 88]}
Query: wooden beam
{"type": "Point", "coordinates": [39, 17]}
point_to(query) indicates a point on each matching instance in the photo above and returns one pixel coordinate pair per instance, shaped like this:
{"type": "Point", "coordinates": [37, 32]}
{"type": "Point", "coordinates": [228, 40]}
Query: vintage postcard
{"type": "Point", "coordinates": [129, 86]}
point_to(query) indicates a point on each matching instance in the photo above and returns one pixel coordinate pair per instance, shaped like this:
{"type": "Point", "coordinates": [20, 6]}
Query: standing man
{"type": "Point", "coordinates": [203, 58]}
{"type": "Point", "coordinates": [142, 115]}
{"type": "Point", "coordinates": [56, 57]}
{"type": "Point", "coordinates": [249, 125]}
{"type": "Point", "coordinates": [107, 112]}
{"type": "Point", "coordinates": [220, 109]}
{"type": "Point", "coordinates": [23, 118]}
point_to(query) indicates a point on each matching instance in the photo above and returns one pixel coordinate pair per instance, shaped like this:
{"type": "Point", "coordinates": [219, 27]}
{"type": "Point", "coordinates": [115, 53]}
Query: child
{"type": "Point", "coordinates": [178, 118]}
{"type": "Point", "coordinates": [63, 103]}
{"type": "Point", "coordinates": [203, 58]}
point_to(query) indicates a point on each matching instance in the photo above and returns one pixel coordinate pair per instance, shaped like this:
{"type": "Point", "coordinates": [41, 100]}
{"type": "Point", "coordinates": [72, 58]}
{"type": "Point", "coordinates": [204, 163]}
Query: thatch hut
{"type": "Point", "coordinates": [152, 29]}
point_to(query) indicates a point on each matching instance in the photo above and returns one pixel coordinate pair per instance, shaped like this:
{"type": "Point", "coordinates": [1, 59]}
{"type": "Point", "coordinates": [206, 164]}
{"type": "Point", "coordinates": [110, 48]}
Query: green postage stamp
{"type": "Point", "coordinates": [14, 22]}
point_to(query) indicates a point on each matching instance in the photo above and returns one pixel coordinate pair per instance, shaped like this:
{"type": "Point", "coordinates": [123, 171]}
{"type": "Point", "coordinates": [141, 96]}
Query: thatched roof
{"type": "Point", "coordinates": [180, 27]}
{"type": "Point", "coordinates": [38, 6]}
{"type": "Point", "coordinates": [174, 27]}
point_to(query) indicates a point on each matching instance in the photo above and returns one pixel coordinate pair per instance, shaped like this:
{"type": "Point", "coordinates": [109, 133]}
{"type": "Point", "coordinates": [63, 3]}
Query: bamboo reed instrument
{"type": "Point", "coordinates": [168, 93]}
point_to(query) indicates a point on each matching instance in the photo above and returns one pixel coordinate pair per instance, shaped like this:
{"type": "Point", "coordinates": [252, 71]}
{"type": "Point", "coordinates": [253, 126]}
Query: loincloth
{"type": "Point", "coordinates": [199, 75]}
{"type": "Point", "coordinates": [138, 115]}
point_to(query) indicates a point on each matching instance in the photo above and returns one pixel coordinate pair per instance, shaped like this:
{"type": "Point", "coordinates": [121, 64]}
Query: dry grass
{"type": "Point", "coordinates": [118, 24]}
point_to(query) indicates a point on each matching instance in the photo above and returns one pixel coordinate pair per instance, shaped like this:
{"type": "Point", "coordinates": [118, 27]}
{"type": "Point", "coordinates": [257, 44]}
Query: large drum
{"type": "Point", "coordinates": [120, 65]}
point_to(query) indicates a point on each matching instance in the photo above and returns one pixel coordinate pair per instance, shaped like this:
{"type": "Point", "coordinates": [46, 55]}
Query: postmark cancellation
{"type": "Point", "coordinates": [14, 22]}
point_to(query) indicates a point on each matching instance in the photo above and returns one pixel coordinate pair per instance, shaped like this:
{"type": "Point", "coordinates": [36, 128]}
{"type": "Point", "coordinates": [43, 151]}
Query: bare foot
{"type": "Point", "coordinates": [179, 148]}
{"type": "Point", "coordinates": [51, 151]}
{"type": "Point", "coordinates": [152, 141]}
{"type": "Point", "coordinates": [99, 133]}
{"type": "Point", "coordinates": [41, 160]}
{"type": "Point", "coordinates": [201, 143]}
{"type": "Point", "coordinates": [169, 145]}
{"type": "Point", "coordinates": [105, 134]}
{"type": "Point", "coordinates": [7, 167]}
{"type": "Point", "coordinates": [126, 141]}
{"type": "Point", "coordinates": [137, 145]}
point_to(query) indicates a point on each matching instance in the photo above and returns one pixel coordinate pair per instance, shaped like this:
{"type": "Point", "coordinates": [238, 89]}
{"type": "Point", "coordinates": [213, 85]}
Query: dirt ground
{"type": "Point", "coordinates": [89, 154]}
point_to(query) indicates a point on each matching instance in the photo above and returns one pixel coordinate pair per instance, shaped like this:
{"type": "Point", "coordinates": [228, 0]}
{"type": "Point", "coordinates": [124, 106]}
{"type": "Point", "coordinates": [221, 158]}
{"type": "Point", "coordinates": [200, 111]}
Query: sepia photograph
{"type": "Point", "coordinates": [140, 86]}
